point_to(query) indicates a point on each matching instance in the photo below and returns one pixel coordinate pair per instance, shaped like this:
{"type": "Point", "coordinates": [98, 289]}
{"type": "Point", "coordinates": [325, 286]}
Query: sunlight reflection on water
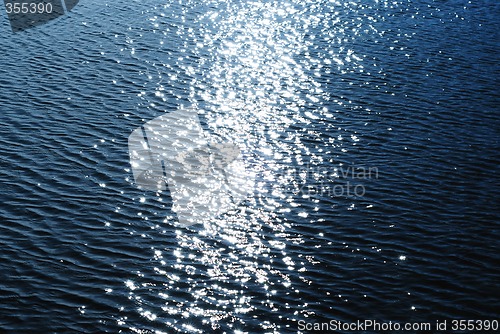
{"type": "Point", "coordinates": [310, 90]}
{"type": "Point", "coordinates": [258, 82]}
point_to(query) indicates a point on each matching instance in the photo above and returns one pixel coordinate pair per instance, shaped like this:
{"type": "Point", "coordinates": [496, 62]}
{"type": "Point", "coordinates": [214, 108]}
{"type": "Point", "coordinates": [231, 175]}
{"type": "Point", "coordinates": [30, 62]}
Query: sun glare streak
{"type": "Point", "coordinates": [259, 82]}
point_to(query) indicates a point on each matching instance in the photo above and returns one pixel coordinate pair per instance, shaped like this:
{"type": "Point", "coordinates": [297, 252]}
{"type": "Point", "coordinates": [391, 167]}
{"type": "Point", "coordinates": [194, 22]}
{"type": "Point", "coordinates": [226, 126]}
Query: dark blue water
{"type": "Point", "coordinates": [373, 127]}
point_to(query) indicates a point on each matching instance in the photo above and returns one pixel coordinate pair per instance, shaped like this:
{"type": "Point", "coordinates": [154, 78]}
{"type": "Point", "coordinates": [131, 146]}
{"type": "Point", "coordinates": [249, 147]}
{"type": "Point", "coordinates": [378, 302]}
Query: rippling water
{"type": "Point", "coordinates": [372, 128]}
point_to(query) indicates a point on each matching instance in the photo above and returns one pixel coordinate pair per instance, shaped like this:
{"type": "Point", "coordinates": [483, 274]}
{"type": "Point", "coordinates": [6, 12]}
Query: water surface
{"type": "Point", "coordinates": [398, 98]}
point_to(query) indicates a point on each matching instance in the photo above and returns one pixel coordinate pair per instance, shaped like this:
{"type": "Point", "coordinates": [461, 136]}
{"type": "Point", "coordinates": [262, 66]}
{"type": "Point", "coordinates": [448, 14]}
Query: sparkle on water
{"type": "Point", "coordinates": [256, 71]}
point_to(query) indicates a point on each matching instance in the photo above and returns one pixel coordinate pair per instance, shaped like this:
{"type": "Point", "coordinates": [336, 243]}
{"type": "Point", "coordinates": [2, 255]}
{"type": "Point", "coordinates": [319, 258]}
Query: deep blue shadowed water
{"type": "Point", "coordinates": [397, 98]}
